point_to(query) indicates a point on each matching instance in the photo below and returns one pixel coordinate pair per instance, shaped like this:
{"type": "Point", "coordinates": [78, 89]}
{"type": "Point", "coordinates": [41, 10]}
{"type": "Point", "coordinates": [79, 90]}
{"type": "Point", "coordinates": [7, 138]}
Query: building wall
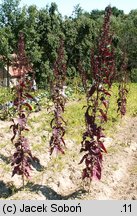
{"type": "Point", "coordinates": [3, 78]}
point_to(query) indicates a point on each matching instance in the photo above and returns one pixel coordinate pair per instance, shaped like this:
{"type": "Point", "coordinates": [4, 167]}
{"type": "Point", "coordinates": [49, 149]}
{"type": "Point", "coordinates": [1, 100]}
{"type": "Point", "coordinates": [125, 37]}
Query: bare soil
{"type": "Point", "coordinates": [60, 177]}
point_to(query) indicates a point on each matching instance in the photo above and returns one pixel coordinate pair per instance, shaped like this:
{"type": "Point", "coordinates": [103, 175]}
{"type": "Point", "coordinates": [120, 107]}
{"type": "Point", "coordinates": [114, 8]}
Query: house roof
{"type": "Point", "coordinates": [15, 70]}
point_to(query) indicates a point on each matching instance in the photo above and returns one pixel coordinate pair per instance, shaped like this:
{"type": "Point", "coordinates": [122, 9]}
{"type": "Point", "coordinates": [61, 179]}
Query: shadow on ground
{"type": "Point", "coordinates": [5, 159]}
{"type": "Point", "coordinates": [5, 190]}
{"type": "Point", "coordinates": [50, 194]}
{"type": "Point", "coordinates": [36, 164]}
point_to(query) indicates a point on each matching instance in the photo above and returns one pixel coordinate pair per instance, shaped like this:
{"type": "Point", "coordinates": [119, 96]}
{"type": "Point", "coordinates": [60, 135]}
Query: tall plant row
{"type": "Point", "coordinates": [22, 157]}
{"type": "Point", "coordinates": [122, 88]}
{"type": "Point", "coordinates": [103, 73]}
{"type": "Point", "coordinates": [96, 115]}
{"type": "Point", "coordinates": [58, 96]}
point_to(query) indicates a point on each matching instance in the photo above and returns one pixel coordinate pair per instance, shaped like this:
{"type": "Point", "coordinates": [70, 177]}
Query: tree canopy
{"type": "Point", "coordinates": [44, 27]}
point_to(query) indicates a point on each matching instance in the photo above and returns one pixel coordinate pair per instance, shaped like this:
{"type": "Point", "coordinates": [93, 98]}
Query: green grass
{"type": "Point", "coordinates": [112, 149]}
{"type": "Point", "coordinates": [132, 100]}
{"type": "Point", "coordinates": [74, 114]}
{"type": "Point", "coordinates": [5, 95]}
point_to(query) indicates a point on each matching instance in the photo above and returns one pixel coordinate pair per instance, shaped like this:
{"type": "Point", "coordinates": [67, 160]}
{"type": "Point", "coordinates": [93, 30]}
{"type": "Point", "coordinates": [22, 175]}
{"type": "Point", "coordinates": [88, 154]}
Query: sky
{"type": "Point", "coordinates": [66, 7]}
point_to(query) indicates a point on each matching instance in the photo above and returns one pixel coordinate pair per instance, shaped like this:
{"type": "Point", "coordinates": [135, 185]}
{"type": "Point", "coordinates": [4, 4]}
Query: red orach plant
{"type": "Point", "coordinates": [22, 157]}
{"type": "Point", "coordinates": [58, 97]}
{"type": "Point", "coordinates": [122, 89]}
{"type": "Point", "coordinates": [103, 72]}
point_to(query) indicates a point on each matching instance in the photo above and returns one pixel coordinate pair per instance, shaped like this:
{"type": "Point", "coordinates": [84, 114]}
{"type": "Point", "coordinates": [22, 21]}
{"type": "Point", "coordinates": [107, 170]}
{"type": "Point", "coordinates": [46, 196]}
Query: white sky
{"type": "Point", "coordinates": [66, 7]}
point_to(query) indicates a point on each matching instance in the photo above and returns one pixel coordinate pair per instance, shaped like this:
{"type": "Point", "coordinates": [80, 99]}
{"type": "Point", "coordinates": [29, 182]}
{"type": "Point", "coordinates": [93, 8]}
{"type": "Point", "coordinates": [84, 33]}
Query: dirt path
{"type": "Point", "coordinates": [119, 180]}
{"type": "Point", "coordinates": [126, 175]}
{"type": "Point", "coordinates": [61, 177]}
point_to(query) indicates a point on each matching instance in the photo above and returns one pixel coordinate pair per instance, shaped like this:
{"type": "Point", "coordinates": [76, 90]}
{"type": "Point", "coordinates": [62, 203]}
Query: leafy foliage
{"type": "Point", "coordinates": [123, 91]}
{"type": "Point", "coordinates": [103, 71]}
{"type": "Point", "coordinates": [22, 156]}
{"type": "Point", "coordinates": [59, 98]}
{"type": "Point", "coordinates": [43, 28]}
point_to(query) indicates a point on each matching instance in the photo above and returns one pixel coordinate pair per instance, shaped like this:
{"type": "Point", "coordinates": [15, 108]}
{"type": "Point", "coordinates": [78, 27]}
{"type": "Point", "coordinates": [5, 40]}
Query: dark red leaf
{"type": "Point", "coordinates": [104, 115]}
{"type": "Point", "coordinates": [28, 105]}
{"type": "Point", "coordinates": [92, 91]}
{"type": "Point", "coordinates": [102, 146]}
{"type": "Point", "coordinates": [28, 96]}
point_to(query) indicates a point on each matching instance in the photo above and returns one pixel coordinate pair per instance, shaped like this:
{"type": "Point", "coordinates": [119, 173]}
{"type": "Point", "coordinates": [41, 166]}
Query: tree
{"type": "Point", "coordinates": [9, 11]}
{"type": "Point", "coordinates": [32, 37]}
{"type": "Point", "coordinates": [78, 11]}
{"type": "Point", "coordinates": [129, 39]}
{"type": "Point", "coordinates": [95, 14]}
{"type": "Point", "coordinates": [116, 12]}
{"type": "Point", "coordinates": [49, 29]}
